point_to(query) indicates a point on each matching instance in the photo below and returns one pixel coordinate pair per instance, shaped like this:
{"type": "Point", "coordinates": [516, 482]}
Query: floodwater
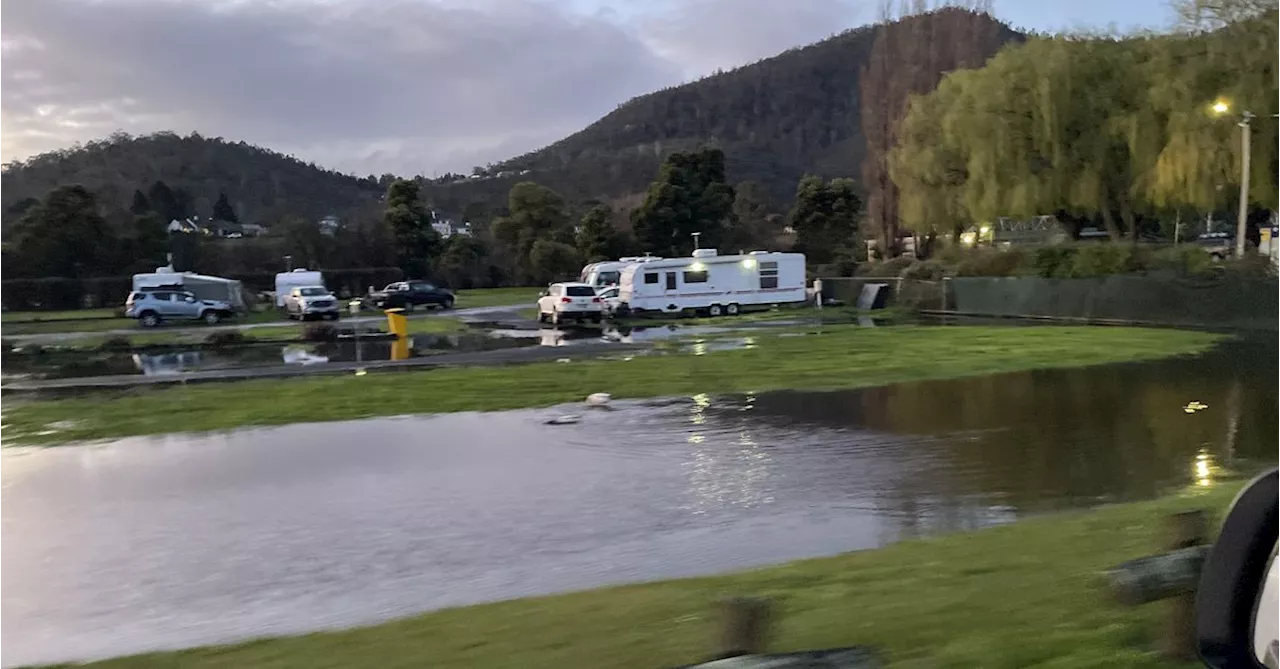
{"type": "Point", "coordinates": [168, 542]}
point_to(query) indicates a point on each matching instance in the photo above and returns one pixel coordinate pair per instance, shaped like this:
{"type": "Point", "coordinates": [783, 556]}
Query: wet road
{"type": "Point", "coordinates": [168, 542]}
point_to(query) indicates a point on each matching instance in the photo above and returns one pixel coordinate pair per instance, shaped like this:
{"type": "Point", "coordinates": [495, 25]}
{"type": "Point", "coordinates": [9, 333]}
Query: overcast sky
{"type": "Point", "coordinates": [403, 86]}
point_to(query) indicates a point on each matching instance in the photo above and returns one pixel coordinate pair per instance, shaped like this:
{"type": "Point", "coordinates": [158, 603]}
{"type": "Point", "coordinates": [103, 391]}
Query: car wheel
{"type": "Point", "coordinates": [410, 307]}
{"type": "Point", "coordinates": [149, 319]}
{"type": "Point", "coordinates": [714, 310]}
{"type": "Point", "coordinates": [332, 316]}
{"type": "Point", "coordinates": [596, 319]}
{"type": "Point", "coordinates": [555, 318]}
{"type": "Point", "coordinates": [448, 303]}
{"type": "Point", "coordinates": [210, 317]}
{"type": "Point", "coordinates": [542, 318]}
{"type": "Point", "coordinates": [732, 310]}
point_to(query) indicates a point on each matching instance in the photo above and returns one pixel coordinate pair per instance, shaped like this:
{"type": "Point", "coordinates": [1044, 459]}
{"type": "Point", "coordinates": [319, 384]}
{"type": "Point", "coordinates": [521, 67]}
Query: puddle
{"type": "Point", "coordinates": [174, 541]}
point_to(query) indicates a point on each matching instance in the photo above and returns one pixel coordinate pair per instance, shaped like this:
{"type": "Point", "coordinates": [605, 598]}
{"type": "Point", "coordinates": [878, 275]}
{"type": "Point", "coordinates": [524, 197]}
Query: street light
{"type": "Point", "coordinates": [1246, 149]}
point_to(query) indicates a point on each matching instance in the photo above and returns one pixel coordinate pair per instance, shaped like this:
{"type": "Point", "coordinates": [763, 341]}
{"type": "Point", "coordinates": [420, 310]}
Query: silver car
{"type": "Point", "coordinates": [305, 302]}
{"type": "Point", "coordinates": [151, 307]}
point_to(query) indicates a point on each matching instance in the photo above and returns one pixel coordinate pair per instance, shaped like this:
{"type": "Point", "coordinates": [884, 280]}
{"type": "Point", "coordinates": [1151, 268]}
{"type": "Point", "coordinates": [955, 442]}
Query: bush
{"type": "Point", "coordinates": [884, 269]}
{"type": "Point", "coordinates": [1051, 261]}
{"type": "Point", "coordinates": [225, 338]}
{"type": "Point", "coordinates": [1095, 260]}
{"type": "Point", "coordinates": [320, 332]}
{"type": "Point", "coordinates": [116, 343]}
{"type": "Point", "coordinates": [1254, 266]}
{"type": "Point", "coordinates": [924, 270]}
{"type": "Point", "coordinates": [993, 262]}
{"type": "Point", "coordinates": [1185, 260]}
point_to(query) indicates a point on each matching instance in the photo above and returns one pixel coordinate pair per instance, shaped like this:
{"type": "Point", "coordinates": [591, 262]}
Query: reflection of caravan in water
{"type": "Point", "coordinates": [713, 283]}
{"type": "Point", "coordinates": [609, 272]}
{"type": "Point", "coordinates": [203, 287]}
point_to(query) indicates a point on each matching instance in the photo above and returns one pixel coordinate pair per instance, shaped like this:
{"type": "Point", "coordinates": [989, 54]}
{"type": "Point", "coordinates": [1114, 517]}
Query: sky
{"type": "Point", "coordinates": [401, 86]}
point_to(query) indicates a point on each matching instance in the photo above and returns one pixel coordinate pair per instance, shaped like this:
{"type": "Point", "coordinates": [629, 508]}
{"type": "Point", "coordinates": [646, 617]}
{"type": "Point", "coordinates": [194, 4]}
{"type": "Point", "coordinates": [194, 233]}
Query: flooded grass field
{"type": "Point", "coordinates": [168, 542]}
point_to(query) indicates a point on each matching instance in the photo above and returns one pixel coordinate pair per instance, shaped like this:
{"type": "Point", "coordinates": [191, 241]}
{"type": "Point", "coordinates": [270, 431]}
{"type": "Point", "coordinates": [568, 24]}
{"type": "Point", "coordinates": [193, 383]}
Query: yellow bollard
{"type": "Point", "coordinates": [396, 323]}
{"type": "Point", "coordinates": [400, 348]}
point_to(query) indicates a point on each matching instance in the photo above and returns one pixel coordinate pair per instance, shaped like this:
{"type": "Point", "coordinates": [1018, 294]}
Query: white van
{"type": "Point", "coordinates": [609, 272]}
{"type": "Point", "coordinates": [712, 283]}
{"type": "Point", "coordinates": [298, 278]}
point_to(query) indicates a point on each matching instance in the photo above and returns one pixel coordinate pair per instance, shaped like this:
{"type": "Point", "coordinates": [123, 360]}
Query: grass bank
{"type": "Point", "coordinates": [496, 297]}
{"type": "Point", "coordinates": [839, 357]}
{"type": "Point", "coordinates": [1011, 597]}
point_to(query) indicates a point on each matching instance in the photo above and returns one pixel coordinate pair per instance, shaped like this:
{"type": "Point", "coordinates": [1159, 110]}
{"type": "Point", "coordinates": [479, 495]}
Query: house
{"type": "Point", "coordinates": [224, 229]}
{"type": "Point", "coordinates": [253, 229]}
{"type": "Point", "coordinates": [329, 225]}
{"type": "Point", "coordinates": [446, 228]}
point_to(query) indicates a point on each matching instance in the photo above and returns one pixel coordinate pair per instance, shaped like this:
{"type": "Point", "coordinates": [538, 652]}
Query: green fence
{"type": "Point", "coordinates": [903, 292]}
{"type": "Point", "coordinates": [1228, 301]}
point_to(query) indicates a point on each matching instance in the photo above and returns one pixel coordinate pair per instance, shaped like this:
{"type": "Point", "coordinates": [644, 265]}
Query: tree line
{"type": "Point", "coordinates": [537, 237]}
{"type": "Point", "coordinates": [1123, 133]}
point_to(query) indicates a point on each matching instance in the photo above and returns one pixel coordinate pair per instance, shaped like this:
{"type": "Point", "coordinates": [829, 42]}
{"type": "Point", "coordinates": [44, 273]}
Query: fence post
{"type": "Point", "coordinates": [1186, 529]}
{"type": "Point", "coordinates": [744, 627]}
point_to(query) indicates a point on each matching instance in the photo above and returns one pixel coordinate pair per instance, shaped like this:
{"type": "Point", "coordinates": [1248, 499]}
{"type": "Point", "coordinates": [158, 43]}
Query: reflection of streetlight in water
{"type": "Point", "coordinates": [1203, 468]}
{"type": "Point", "coordinates": [721, 475]}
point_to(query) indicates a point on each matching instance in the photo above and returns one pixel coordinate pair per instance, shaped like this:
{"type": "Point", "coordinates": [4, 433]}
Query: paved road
{"type": "Point", "coordinates": [473, 314]}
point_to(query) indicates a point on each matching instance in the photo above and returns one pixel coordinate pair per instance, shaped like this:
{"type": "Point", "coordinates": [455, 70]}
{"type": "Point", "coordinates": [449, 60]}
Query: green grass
{"type": "Point", "coordinates": [1017, 596]}
{"type": "Point", "coordinates": [496, 297]}
{"type": "Point", "coordinates": [9, 317]}
{"type": "Point", "coordinates": [434, 325]}
{"type": "Point", "coordinates": [839, 357]}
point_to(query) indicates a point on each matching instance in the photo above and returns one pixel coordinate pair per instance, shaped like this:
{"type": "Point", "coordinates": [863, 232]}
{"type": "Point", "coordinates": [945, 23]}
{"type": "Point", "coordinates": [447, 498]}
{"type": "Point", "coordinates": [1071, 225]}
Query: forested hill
{"type": "Point", "coordinates": [795, 113]}
{"type": "Point", "coordinates": [261, 185]}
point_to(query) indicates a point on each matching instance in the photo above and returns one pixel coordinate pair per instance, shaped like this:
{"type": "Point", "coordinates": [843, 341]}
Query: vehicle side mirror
{"type": "Point", "coordinates": [544, 294]}
{"type": "Point", "coordinates": [1236, 602]}
{"type": "Point", "coordinates": [190, 299]}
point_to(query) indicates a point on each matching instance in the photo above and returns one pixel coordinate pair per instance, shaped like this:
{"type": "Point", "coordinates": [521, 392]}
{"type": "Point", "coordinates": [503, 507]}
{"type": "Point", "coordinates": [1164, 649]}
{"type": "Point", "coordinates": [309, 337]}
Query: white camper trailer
{"type": "Point", "coordinates": [713, 283]}
{"type": "Point", "coordinates": [609, 273]}
{"type": "Point", "coordinates": [298, 278]}
{"type": "Point", "coordinates": [203, 287]}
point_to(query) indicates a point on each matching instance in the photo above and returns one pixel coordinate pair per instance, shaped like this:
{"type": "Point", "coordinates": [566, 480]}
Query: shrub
{"type": "Point", "coordinates": [884, 269]}
{"type": "Point", "coordinates": [116, 343]}
{"type": "Point", "coordinates": [1253, 265]}
{"type": "Point", "coordinates": [993, 262]}
{"type": "Point", "coordinates": [225, 338]}
{"type": "Point", "coordinates": [320, 332]}
{"type": "Point", "coordinates": [1094, 260]}
{"type": "Point", "coordinates": [1186, 260]}
{"type": "Point", "coordinates": [1051, 261]}
{"type": "Point", "coordinates": [923, 270]}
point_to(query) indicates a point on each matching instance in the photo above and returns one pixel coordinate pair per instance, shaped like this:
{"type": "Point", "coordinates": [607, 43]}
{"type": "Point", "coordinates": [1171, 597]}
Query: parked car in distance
{"type": "Point", "coordinates": [152, 307]}
{"type": "Point", "coordinates": [409, 295]}
{"type": "Point", "coordinates": [575, 301]}
{"type": "Point", "coordinates": [303, 302]}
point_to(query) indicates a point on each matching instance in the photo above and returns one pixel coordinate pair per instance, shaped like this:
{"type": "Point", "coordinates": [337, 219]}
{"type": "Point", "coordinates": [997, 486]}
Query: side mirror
{"type": "Point", "coordinates": [190, 299]}
{"type": "Point", "coordinates": [543, 294]}
{"type": "Point", "coordinates": [1236, 603]}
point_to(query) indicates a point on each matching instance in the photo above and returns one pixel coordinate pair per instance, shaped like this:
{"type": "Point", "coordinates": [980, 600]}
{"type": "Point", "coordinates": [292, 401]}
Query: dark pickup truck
{"type": "Point", "coordinates": [409, 295]}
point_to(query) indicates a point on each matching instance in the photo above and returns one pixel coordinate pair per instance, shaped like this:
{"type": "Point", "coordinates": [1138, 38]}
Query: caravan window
{"type": "Point", "coordinates": [768, 275]}
{"type": "Point", "coordinates": [608, 278]}
{"type": "Point", "coordinates": [650, 277]}
{"type": "Point", "coordinates": [695, 276]}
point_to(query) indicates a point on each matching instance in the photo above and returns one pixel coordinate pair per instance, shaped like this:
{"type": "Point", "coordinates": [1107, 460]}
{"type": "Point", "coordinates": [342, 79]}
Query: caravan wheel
{"type": "Point", "coordinates": [714, 310]}
{"type": "Point", "coordinates": [732, 309]}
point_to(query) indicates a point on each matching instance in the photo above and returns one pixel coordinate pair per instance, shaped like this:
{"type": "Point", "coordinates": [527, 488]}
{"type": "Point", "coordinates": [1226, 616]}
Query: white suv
{"type": "Point", "coordinates": [562, 302]}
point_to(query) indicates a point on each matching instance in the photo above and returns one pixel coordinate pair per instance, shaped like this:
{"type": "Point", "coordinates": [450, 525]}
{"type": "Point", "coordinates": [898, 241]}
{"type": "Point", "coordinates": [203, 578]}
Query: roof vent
{"type": "Point", "coordinates": [704, 253]}
{"type": "Point", "coordinates": [759, 253]}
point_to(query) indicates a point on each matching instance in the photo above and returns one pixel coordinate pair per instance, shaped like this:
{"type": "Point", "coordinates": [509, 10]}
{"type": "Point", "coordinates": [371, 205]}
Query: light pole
{"type": "Point", "coordinates": [1246, 154]}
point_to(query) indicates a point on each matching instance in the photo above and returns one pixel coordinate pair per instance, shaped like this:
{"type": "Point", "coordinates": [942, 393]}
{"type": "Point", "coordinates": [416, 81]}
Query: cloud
{"type": "Point", "coordinates": [406, 86]}
{"type": "Point", "coordinates": [705, 35]}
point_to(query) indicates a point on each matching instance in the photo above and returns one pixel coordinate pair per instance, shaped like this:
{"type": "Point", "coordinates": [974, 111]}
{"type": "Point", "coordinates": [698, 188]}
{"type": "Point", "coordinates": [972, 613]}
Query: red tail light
{"type": "Point", "coordinates": [595, 299]}
{"type": "Point", "coordinates": [565, 300]}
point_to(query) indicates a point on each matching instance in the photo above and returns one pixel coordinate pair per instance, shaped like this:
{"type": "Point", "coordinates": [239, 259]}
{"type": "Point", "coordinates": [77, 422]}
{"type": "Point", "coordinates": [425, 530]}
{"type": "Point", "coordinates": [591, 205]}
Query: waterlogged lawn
{"type": "Point", "coordinates": [838, 357]}
{"type": "Point", "coordinates": [1022, 595]}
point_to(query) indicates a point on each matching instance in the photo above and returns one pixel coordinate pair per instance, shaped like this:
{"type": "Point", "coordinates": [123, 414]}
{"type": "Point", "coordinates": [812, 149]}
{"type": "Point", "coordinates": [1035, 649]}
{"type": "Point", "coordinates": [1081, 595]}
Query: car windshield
{"type": "Point", "coordinates": [312, 291]}
{"type": "Point", "coordinates": [579, 291]}
{"type": "Point", "coordinates": [607, 278]}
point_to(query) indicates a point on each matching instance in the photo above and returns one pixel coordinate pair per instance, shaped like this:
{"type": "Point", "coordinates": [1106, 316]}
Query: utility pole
{"type": "Point", "coordinates": [1246, 148]}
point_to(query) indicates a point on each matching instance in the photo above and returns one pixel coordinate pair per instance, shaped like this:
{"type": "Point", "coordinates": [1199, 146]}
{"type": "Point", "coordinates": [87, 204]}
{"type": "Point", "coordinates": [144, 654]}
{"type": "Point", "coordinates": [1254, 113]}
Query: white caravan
{"type": "Point", "coordinates": [601, 275]}
{"type": "Point", "coordinates": [203, 287]}
{"type": "Point", "coordinates": [713, 283]}
{"type": "Point", "coordinates": [298, 278]}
